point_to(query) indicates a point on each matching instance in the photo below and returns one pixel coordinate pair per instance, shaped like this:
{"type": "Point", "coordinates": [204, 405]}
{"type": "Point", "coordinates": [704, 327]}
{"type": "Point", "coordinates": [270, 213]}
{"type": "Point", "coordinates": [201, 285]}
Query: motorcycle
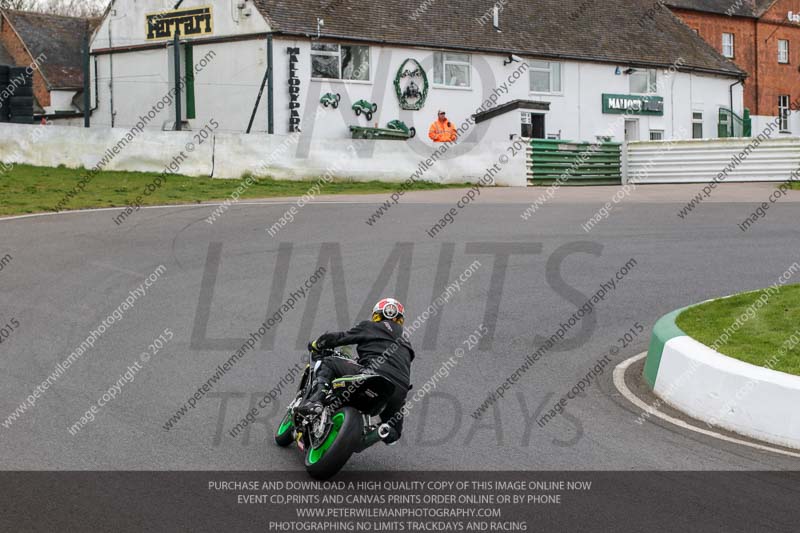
{"type": "Point", "coordinates": [344, 426]}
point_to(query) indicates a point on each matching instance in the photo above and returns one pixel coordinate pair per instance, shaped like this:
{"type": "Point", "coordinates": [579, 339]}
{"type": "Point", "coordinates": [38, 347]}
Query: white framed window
{"type": "Point", "coordinates": [728, 45]}
{"type": "Point", "coordinates": [452, 70]}
{"type": "Point", "coordinates": [783, 51]}
{"type": "Point", "coordinates": [644, 81]}
{"type": "Point", "coordinates": [545, 77]}
{"type": "Point", "coordinates": [783, 112]}
{"type": "Point", "coordinates": [656, 135]}
{"type": "Point", "coordinates": [697, 125]}
{"type": "Point", "coordinates": [339, 62]}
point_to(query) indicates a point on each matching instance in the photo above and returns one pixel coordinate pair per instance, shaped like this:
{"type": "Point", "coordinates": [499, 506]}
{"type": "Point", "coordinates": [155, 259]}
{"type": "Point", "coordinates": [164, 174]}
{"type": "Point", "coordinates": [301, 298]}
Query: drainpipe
{"type": "Point", "coordinates": [177, 79]}
{"type": "Point", "coordinates": [87, 101]}
{"type": "Point", "coordinates": [111, 73]}
{"type": "Point", "coordinates": [270, 95]}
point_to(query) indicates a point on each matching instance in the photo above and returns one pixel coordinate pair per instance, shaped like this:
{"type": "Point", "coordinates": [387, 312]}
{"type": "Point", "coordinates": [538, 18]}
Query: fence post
{"type": "Point", "coordinates": [623, 156]}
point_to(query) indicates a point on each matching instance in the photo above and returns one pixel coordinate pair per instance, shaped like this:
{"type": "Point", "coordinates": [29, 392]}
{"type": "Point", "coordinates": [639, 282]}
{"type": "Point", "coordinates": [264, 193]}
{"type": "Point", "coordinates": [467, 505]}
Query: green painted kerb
{"type": "Point", "coordinates": [664, 330]}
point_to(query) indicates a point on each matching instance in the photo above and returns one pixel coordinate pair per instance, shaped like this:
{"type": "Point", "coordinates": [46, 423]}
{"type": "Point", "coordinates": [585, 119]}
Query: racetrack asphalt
{"type": "Point", "coordinates": [70, 271]}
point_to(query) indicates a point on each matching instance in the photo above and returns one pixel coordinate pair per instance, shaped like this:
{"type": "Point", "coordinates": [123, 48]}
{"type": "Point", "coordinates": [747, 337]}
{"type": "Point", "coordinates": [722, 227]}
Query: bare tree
{"type": "Point", "coordinates": [19, 5]}
{"type": "Point", "coordinates": [74, 8]}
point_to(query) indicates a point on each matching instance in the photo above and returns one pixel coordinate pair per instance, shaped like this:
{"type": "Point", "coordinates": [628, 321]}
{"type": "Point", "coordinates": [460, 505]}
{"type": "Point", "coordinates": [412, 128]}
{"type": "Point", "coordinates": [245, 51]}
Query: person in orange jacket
{"type": "Point", "coordinates": [442, 130]}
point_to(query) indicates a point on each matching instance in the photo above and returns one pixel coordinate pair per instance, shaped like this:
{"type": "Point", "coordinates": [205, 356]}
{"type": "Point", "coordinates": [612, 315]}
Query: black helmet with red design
{"type": "Point", "coordinates": [388, 309]}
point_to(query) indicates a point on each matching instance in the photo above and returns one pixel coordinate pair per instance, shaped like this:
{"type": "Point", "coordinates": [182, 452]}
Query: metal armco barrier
{"type": "Point", "coordinates": [703, 160]}
{"type": "Point", "coordinates": [573, 163]}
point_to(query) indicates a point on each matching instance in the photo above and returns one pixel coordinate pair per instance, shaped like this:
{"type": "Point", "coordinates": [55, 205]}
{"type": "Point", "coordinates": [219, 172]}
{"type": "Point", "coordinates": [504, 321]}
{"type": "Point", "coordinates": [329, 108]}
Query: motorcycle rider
{"type": "Point", "coordinates": [382, 350]}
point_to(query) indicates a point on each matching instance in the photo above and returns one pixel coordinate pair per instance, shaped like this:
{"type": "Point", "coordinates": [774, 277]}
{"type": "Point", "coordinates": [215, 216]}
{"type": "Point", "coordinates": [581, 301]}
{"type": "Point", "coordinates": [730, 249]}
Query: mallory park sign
{"type": "Point", "coordinates": [633, 104]}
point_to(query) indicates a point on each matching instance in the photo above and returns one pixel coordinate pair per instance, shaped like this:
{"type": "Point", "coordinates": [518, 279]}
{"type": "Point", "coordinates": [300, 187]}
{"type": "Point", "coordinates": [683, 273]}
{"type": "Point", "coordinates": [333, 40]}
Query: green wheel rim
{"type": "Point", "coordinates": [285, 425]}
{"type": "Point", "coordinates": [315, 454]}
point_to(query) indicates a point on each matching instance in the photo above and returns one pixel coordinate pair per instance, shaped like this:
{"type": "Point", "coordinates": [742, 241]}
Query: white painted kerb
{"type": "Point", "coordinates": [750, 400]}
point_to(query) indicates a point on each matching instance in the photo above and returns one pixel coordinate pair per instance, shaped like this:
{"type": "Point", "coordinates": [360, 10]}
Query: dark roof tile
{"type": "Point", "coordinates": [615, 31]}
{"type": "Point", "coordinates": [732, 8]}
{"type": "Point", "coordinates": [59, 38]}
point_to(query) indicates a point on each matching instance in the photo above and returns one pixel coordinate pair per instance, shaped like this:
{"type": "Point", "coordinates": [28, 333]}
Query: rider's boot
{"type": "Point", "coordinates": [313, 405]}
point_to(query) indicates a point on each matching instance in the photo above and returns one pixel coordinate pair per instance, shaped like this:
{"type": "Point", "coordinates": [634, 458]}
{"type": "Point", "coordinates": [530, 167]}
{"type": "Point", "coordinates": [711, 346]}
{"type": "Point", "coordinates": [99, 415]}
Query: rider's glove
{"type": "Point", "coordinates": [314, 348]}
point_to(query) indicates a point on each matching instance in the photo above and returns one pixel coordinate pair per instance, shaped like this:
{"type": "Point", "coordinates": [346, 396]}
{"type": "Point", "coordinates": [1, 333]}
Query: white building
{"type": "Point", "coordinates": [551, 68]}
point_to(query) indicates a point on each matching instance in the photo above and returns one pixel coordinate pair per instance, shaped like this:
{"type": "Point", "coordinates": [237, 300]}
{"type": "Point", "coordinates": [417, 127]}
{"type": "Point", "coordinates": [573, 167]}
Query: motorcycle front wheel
{"type": "Point", "coordinates": [284, 435]}
{"type": "Point", "coordinates": [335, 448]}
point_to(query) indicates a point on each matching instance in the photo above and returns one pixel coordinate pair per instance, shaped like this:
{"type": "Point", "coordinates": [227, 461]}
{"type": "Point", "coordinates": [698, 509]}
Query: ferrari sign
{"type": "Point", "coordinates": [188, 22]}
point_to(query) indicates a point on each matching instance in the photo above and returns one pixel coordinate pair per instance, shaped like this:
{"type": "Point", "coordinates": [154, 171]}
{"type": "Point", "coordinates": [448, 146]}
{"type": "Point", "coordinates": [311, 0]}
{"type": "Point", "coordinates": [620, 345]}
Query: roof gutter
{"type": "Point", "coordinates": [309, 35]}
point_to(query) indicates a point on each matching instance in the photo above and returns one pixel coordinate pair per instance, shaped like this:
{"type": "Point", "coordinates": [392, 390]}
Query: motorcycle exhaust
{"type": "Point", "coordinates": [374, 436]}
{"type": "Point", "coordinates": [384, 430]}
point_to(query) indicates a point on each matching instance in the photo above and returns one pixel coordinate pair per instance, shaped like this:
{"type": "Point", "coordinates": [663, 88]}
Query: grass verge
{"type": "Point", "coordinates": [28, 189]}
{"type": "Point", "coordinates": [764, 334]}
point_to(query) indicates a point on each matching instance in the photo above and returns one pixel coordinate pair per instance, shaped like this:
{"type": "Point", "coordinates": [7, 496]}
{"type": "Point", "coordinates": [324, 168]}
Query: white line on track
{"type": "Point", "coordinates": [99, 209]}
{"type": "Point", "coordinates": [619, 383]}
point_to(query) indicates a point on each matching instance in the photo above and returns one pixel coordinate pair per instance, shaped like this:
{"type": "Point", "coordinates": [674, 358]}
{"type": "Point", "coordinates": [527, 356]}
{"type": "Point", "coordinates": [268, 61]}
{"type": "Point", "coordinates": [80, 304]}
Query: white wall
{"type": "Point", "coordinates": [576, 114]}
{"type": "Point", "coordinates": [126, 24]}
{"type": "Point", "coordinates": [227, 89]}
{"type": "Point", "coordinates": [60, 101]}
{"type": "Point", "coordinates": [232, 155]}
{"type": "Point", "coordinates": [760, 123]}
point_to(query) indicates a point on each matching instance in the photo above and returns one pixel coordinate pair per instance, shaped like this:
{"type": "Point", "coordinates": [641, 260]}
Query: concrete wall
{"type": "Point", "coordinates": [737, 396]}
{"type": "Point", "coordinates": [721, 391]}
{"type": "Point", "coordinates": [231, 155]}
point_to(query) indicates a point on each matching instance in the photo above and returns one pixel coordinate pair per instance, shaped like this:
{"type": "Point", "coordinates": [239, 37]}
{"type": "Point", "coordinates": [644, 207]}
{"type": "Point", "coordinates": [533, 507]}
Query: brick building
{"type": "Point", "coordinates": [52, 44]}
{"type": "Point", "coordinates": [763, 38]}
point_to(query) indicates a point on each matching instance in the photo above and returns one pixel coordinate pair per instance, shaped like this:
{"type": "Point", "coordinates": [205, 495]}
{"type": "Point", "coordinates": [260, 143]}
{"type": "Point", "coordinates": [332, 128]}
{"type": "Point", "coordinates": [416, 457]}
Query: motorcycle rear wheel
{"type": "Point", "coordinates": [342, 439]}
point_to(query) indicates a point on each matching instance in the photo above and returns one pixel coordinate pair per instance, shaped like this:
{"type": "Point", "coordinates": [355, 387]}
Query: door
{"type": "Point", "coordinates": [532, 126]}
{"type": "Point", "coordinates": [631, 130]}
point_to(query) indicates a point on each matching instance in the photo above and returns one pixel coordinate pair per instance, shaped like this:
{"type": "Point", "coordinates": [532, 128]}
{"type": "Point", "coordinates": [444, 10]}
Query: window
{"type": "Point", "coordinates": [727, 45]}
{"type": "Point", "coordinates": [656, 135]}
{"type": "Point", "coordinates": [697, 125]}
{"type": "Point", "coordinates": [783, 51]}
{"type": "Point", "coordinates": [783, 112]}
{"type": "Point", "coordinates": [545, 76]}
{"type": "Point", "coordinates": [452, 70]}
{"type": "Point", "coordinates": [339, 62]}
{"type": "Point", "coordinates": [644, 81]}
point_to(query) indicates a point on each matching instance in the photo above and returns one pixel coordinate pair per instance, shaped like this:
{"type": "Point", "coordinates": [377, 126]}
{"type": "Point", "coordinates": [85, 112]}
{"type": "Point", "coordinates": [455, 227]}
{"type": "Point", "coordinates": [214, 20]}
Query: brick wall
{"type": "Point", "coordinates": [711, 27]}
{"type": "Point", "coordinates": [756, 51]}
{"type": "Point", "coordinates": [776, 78]}
{"type": "Point", "coordinates": [21, 57]}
